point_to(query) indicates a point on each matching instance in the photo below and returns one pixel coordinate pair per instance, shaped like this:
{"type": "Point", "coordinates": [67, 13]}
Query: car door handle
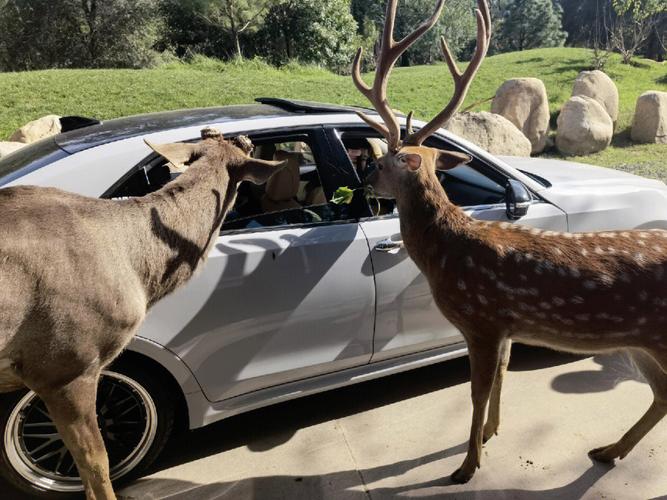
{"type": "Point", "coordinates": [389, 246]}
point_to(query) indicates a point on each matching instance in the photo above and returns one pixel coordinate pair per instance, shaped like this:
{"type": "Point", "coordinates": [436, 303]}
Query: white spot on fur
{"type": "Point", "coordinates": [482, 299]}
{"type": "Point", "coordinates": [643, 295]}
{"type": "Point", "coordinates": [599, 251]}
{"type": "Point", "coordinates": [558, 301]}
{"type": "Point", "coordinates": [583, 317]}
{"type": "Point", "coordinates": [462, 285]}
{"type": "Point", "coordinates": [606, 279]}
{"type": "Point", "coordinates": [469, 262]}
{"type": "Point", "coordinates": [577, 299]}
{"type": "Point", "coordinates": [468, 310]}
{"type": "Point", "coordinates": [625, 235]}
{"type": "Point", "coordinates": [569, 236]}
{"type": "Point", "coordinates": [641, 321]}
{"type": "Point", "coordinates": [545, 305]}
{"type": "Point", "coordinates": [535, 232]}
{"type": "Point", "coordinates": [584, 252]}
{"type": "Point", "coordinates": [443, 262]}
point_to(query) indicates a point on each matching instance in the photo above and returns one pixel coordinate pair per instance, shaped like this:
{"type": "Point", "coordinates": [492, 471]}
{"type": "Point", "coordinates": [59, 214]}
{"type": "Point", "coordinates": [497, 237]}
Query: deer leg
{"type": "Point", "coordinates": [484, 361]}
{"type": "Point", "coordinates": [657, 378]}
{"type": "Point", "coordinates": [73, 411]}
{"type": "Point", "coordinates": [493, 418]}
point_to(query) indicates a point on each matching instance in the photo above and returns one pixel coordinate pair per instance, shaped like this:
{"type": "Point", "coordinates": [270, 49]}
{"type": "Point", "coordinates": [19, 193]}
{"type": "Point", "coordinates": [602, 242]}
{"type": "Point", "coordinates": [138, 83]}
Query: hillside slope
{"type": "Point", "coordinates": [113, 93]}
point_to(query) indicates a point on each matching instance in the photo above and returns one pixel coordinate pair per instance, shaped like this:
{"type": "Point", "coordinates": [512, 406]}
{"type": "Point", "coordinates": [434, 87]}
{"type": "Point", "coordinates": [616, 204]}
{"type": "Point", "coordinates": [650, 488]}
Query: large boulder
{"type": "Point", "coordinates": [524, 102]}
{"type": "Point", "coordinates": [584, 127]}
{"type": "Point", "coordinates": [491, 132]}
{"type": "Point", "coordinates": [7, 148]}
{"type": "Point", "coordinates": [599, 86]}
{"type": "Point", "coordinates": [650, 122]}
{"type": "Point", "coordinates": [37, 130]}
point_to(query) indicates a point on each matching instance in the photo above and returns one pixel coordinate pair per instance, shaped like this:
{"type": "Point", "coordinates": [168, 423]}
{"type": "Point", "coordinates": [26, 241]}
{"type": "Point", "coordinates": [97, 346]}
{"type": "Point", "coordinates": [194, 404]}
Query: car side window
{"type": "Point", "coordinates": [466, 185]}
{"type": "Point", "coordinates": [293, 196]}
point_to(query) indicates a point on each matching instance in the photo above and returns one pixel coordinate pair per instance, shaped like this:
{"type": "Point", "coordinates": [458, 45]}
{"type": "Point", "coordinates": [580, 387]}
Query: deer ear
{"type": "Point", "coordinates": [447, 160]}
{"type": "Point", "coordinates": [179, 154]}
{"type": "Point", "coordinates": [259, 171]}
{"type": "Point", "coordinates": [413, 161]}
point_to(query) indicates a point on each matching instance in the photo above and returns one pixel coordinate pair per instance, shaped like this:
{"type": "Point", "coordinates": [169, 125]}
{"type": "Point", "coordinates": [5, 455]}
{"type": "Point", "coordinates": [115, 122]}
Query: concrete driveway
{"type": "Point", "coordinates": [401, 437]}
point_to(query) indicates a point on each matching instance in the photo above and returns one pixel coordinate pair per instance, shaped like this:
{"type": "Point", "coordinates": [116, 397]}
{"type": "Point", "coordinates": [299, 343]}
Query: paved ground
{"type": "Point", "coordinates": [401, 437]}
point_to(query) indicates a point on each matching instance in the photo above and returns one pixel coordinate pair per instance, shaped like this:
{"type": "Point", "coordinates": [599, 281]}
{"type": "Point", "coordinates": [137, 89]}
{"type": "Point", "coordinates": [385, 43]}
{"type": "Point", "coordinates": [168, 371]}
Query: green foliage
{"type": "Point", "coordinates": [235, 17]}
{"type": "Point", "coordinates": [310, 31]}
{"type": "Point", "coordinates": [529, 24]}
{"type": "Point", "coordinates": [343, 196]}
{"type": "Point", "coordinates": [457, 24]}
{"type": "Point", "coordinates": [69, 33]}
{"type": "Point", "coordinates": [639, 9]}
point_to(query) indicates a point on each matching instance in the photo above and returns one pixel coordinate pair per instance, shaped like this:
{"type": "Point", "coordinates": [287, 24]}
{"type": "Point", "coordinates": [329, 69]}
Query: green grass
{"type": "Point", "coordinates": [112, 93]}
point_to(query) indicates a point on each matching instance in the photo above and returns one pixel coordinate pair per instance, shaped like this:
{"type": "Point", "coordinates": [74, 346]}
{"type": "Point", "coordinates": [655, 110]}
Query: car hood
{"type": "Point", "coordinates": [571, 176]}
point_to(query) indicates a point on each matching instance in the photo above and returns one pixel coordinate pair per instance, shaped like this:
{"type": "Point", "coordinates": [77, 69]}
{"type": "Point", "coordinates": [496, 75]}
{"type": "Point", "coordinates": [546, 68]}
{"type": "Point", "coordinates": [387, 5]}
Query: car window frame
{"type": "Point", "coordinates": [482, 165]}
{"type": "Point", "coordinates": [329, 172]}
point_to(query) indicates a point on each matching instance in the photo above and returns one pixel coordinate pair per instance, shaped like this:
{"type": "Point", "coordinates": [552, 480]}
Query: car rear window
{"type": "Point", "coordinates": [28, 159]}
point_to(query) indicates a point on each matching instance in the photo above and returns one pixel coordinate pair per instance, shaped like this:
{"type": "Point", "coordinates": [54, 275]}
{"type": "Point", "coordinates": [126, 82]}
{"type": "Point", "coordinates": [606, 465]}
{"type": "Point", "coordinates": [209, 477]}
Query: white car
{"type": "Point", "coordinates": [299, 295]}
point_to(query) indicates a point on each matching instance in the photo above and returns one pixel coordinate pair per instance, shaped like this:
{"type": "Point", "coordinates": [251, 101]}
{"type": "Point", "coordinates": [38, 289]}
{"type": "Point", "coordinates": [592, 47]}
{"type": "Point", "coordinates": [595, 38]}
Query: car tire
{"type": "Point", "coordinates": [127, 391]}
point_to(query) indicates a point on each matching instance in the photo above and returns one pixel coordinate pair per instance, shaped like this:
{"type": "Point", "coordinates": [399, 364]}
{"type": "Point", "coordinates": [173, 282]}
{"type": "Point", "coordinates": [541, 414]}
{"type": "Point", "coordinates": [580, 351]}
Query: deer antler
{"type": "Point", "coordinates": [390, 51]}
{"type": "Point", "coordinates": [462, 80]}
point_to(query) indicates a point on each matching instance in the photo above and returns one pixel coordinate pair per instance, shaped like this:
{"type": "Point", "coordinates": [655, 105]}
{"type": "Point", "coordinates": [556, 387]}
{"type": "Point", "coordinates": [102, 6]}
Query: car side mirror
{"type": "Point", "coordinates": [517, 200]}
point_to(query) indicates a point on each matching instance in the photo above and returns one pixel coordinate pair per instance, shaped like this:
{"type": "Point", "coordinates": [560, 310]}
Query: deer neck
{"type": "Point", "coordinates": [180, 225]}
{"type": "Point", "coordinates": [430, 223]}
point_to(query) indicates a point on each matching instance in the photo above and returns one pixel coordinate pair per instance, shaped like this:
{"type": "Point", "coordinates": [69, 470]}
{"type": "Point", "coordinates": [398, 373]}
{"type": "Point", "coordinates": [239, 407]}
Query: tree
{"type": "Point", "coordinates": [310, 31]}
{"type": "Point", "coordinates": [236, 17]}
{"type": "Point", "coordinates": [634, 23]}
{"type": "Point", "coordinates": [38, 34]}
{"type": "Point", "coordinates": [457, 24]}
{"type": "Point", "coordinates": [529, 24]}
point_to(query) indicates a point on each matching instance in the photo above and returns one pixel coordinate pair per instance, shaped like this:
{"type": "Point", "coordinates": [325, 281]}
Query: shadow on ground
{"type": "Point", "coordinates": [286, 419]}
{"type": "Point", "coordinates": [351, 487]}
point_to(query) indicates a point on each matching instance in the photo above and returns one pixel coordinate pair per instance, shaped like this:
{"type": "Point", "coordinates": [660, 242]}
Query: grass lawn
{"type": "Point", "coordinates": [112, 93]}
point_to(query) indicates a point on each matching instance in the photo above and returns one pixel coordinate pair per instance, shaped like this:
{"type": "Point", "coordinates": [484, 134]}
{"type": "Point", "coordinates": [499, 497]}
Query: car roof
{"type": "Point", "coordinates": [100, 133]}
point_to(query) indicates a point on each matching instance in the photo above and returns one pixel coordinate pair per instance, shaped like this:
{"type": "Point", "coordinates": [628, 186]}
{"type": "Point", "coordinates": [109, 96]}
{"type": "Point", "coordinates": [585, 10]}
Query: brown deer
{"type": "Point", "coordinates": [78, 275]}
{"type": "Point", "coordinates": [581, 293]}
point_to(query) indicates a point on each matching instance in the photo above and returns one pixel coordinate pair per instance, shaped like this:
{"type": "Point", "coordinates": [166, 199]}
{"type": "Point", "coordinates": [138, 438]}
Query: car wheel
{"type": "Point", "coordinates": [135, 416]}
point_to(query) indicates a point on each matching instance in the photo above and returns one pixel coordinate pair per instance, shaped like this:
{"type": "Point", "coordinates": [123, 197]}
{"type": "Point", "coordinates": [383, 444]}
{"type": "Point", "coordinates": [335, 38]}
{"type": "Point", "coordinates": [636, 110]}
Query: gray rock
{"type": "Point", "coordinates": [584, 127]}
{"type": "Point", "coordinates": [491, 132]}
{"type": "Point", "coordinates": [650, 121]}
{"type": "Point", "coordinates": [524, 102]}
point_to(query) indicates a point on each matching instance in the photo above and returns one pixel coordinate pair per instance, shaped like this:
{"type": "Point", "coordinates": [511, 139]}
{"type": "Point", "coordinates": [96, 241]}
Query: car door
{"type": "Point", "coordinates": [288, 290]}
{"type": "Point", "coordinates": [407, 319]}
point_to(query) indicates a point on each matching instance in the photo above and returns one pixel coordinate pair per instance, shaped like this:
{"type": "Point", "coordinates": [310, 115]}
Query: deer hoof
{"type": "Point", "coordinates": [604, 454]}
{"type": "Point", "coordinates": [461, 476]}
{"type": "Point", "coordinates": [487, 436]}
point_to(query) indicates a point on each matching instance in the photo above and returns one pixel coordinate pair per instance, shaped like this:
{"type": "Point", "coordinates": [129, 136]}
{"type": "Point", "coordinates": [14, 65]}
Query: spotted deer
{"type": "Point", "coordinates": [70, 304]}
{"type": "Point", "coordinates": [500, 282]}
